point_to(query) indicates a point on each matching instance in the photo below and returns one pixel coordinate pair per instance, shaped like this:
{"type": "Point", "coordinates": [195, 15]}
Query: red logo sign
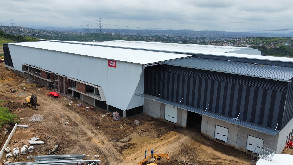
{"type": "Point", "coordinates": [112, 63]}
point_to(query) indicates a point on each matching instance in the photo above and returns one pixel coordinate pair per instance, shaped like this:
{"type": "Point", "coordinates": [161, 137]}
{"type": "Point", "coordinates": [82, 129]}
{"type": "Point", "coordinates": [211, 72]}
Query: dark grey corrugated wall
{"type": "Point", "coordinates": [288, 113]}
{"type": "Point", "coordinates": [255, 100]}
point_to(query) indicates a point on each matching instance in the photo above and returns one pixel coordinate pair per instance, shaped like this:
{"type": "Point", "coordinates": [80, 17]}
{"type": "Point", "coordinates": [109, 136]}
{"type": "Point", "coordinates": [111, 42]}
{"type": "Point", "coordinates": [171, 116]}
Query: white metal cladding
{"type": "Point", "coordinates": [119, 54]}
{"type": "Point", "coordinates": [171, 113]}
{"type": "Point", "coordinates": [228, 51]}
{"type": "Point", "coordinates": [221, 133]}
{"type": "Point", "coordinates": [254, 144]}
{"type": "Point", "coordinates": [118, 84]}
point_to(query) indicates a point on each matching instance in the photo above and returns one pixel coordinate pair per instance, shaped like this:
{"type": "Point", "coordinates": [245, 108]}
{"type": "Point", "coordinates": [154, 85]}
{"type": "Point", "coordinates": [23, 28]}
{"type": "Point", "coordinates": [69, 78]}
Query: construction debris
{"type": "Point", "coordinates": [31, 149]}
{"type": "Point", "coordinates": [29, 157]}
{"type": "Point", "coordinates": [54, 94]}
{"type": "Point", "coordinates": [116, 115]}
{"type": "Point", "coordinates": [13, 90]}
{"type": "Point", "coordinates": [15, 152]}
{"type": "Point", "coordinates": [23, 126]}
{"type": "Point", "coordinates": [9, 155]}
{"type": "Point", "coordinates": [35, 141]}
{"type": "Point", "coordinates": [70, 103]}
{"type": "Point", "coordinates": [289, 144]}
{"type": "Point", "coordinates": [34, 138]}
{"type": "Point", "coordinates": [23, 149]}
{"type": "Point", "coordinates": [54, 150]}
{"type": "Point", "coordinates": [91, 108]}
{"type": "Point", "coordinates": [36, 118]}
{"type": "Point", "coordinates": [58, 159]}
{"type": "Point", "coordinates": [136, 122]}
{"type": "Point", "coordinates": [7, 149]}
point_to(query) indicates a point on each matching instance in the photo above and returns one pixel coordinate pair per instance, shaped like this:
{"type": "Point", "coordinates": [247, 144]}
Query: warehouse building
{"type": "Point", "coordinates": [232, 94]}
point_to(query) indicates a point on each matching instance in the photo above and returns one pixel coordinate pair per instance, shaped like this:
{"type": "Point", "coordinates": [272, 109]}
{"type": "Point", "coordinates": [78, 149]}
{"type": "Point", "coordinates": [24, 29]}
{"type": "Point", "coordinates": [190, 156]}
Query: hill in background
{"type": "Point", "coordinates": [8, 38]}
{"type": "Point", "coordinates": [268, 43]}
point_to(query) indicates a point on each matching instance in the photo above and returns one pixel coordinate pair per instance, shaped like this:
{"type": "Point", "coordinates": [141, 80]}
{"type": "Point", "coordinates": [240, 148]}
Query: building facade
{"type": "Point", "coordinates": [230, 94]}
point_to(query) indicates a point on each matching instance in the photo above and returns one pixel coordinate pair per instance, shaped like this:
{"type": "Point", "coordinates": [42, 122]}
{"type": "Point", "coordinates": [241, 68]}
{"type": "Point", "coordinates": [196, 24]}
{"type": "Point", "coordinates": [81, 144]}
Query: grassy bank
{"type": "Point", "coordinates": [6, 117]}
{"type": "Point", "coordinates": [3, 40]}
{"type": "Point", "coordinates": [8, 38]}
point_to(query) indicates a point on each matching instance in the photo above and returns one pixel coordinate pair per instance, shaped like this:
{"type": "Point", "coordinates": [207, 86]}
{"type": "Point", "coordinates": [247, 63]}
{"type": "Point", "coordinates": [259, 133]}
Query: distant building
{"type": "Point", "coordinates": [232, 94]}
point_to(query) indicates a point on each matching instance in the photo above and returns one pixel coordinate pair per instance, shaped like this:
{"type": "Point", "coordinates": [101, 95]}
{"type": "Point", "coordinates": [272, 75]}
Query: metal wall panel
{"type": "Point", "coordinates": [119, 84]}
{"type": "Point", "coordinates": [253, 100]}
{"type": "Point", "coordinates": [288, 114]}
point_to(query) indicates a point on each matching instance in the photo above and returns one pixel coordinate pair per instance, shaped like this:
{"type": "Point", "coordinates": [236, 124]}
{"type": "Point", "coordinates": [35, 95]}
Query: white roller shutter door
{"type": "Point", "coordinates": [254, 144]}
{"type": "Point", "coordinates": [171, 113]}
{"type": "Point", "coordinates": [221, 133]}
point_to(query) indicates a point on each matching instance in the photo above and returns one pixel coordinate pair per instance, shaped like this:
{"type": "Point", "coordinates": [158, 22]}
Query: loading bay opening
{"type": "Point", "coordinates": [194, 121]}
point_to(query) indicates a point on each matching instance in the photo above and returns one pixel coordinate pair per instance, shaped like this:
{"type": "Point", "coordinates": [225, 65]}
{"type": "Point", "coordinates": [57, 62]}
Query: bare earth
{"type": "Point", "coordinates": [78, 130]}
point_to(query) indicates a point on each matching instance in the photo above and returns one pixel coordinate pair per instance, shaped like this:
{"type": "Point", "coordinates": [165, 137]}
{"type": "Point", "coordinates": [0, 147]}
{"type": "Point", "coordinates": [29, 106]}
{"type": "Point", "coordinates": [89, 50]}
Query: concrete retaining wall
{"type": "Point", "coordinates": [152, 108]}
{"type": "Point", "coordinates": [157, 110]}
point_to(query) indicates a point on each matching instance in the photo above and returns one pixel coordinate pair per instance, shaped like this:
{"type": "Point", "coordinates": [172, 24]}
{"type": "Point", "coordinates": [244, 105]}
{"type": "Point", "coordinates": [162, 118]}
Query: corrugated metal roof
{"type": "Point", "coordinates": [253, 70]}
{"type": "Point", "coordinates": [219, 117]}
{"type": "Point", "coordinates": [228, 51]}
{"type": "Point", "coordinates": [119, 54]}
{"type": "Point", "coordinates": [175, 47]}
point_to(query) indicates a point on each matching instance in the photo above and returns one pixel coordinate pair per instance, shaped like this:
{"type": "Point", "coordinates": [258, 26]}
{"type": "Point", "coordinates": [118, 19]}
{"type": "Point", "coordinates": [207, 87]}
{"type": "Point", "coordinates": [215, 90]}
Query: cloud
{"type": "Point", "coordinates": [236, 15]}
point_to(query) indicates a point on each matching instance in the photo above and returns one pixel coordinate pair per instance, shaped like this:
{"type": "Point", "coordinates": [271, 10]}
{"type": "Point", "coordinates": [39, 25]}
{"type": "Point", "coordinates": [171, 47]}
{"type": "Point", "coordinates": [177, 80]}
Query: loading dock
{"type": "Point", "coordinates": [194, 120]}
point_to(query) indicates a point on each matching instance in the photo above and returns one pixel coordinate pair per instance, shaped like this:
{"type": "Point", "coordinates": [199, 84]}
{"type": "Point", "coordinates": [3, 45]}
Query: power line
{"type": "Point", "coordinates": [100, 25]}
{"type": "Point", "coordinates": [12, 22]}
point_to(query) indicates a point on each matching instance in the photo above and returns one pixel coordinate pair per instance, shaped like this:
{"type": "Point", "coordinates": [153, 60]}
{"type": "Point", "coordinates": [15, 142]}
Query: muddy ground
{"type": "Point", "coordinates": [78, 130]}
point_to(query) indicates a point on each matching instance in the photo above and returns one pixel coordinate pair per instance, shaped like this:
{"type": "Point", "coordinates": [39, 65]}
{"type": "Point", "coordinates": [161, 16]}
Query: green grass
{"type": "Point", "coordinates": [6, 117]}
{"type": "Point", "coordinates": [6, 38]}
{"type": "Point", "coordinates": [3, 40]}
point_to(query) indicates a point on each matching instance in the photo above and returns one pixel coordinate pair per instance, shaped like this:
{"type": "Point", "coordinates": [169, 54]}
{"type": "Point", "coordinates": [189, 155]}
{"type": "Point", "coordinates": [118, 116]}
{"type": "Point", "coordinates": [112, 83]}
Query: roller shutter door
{"type": "Point", "coordinates": [254, 144]}
{"type": "Point", "coordinates": [221, 133]}
{"type": "Point", "coordinates": [171, 113]}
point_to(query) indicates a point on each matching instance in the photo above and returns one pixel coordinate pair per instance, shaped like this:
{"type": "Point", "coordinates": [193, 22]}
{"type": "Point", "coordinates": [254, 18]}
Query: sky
{"type": "Point", "coordinates": [222, 15]}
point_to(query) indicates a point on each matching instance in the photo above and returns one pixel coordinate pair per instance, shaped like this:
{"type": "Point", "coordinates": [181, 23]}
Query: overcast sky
{"type": "Point", "coordinates": [227, 15]}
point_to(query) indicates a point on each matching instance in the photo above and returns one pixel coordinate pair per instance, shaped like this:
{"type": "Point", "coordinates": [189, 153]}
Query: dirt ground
{"type": "Point", "coordinates": [78, 130]}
